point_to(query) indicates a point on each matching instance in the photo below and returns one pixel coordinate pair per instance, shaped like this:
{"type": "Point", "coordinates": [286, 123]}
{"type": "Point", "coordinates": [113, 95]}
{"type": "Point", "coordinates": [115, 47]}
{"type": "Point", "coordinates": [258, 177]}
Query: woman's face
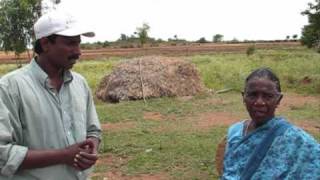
{"type": "Point", "coordinates": [261, 98]}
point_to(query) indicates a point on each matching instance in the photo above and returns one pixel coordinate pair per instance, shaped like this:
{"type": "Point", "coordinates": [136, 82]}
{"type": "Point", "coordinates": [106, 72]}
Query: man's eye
{"type": "Point", "coordinates": [269, 95]}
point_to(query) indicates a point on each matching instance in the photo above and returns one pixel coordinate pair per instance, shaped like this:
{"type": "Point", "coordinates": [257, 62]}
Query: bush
{"type": "Point", "coordinates": [202, 40]}
{"type": "Point", "coordinates": [250, 50]}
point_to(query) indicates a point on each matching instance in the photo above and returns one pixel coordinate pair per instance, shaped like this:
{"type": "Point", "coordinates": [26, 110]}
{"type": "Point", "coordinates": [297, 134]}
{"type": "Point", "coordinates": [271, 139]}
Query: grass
{"type": "Point", "coordinates": [223, 71]}
{"type": "Point", "coordinates": [178, 153]}
{"type": "Point", "coordinates": [172, 144]}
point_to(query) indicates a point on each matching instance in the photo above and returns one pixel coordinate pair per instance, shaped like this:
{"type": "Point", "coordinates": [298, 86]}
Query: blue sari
{"type": "Point", "coordinates": [292, 155]}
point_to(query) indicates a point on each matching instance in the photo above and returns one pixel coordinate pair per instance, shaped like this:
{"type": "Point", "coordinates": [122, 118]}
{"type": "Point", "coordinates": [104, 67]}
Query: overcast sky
{"type": "Point", "coordinates": [192, 19]}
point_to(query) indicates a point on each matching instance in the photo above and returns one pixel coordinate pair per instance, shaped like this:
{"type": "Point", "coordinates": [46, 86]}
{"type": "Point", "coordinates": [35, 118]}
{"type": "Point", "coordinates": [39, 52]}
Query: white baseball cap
{"type": "Point", "coordinates": [60, 23]}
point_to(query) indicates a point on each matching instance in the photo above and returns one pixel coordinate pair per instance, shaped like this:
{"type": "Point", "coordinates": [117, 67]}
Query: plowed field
{"type": "Point", "coordinates": [178, 50]}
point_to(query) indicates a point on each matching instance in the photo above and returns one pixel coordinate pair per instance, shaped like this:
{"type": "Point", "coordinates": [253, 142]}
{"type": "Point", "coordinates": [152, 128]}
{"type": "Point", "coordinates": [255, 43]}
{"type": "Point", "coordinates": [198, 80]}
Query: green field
{"type": "Point", "coordinates": [176, 138]}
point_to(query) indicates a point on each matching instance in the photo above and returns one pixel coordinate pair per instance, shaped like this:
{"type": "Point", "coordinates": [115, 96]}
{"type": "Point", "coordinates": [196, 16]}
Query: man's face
{"type": "Point", "coordinates": [64, 52]}
{"type": "Point", "coordinates": [261, 98]}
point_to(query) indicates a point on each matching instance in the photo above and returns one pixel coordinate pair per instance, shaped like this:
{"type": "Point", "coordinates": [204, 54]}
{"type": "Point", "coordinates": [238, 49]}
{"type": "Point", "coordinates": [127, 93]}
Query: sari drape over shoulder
{"type": "Point", "coordinates": [292, 155]}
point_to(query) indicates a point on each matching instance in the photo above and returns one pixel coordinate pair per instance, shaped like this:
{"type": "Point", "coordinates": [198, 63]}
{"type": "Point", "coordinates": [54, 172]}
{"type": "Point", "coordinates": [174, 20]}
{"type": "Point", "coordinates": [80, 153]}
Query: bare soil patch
{"type": "Point", "coordinates": [292, 101]}
{"type": "Point", "coordinates": [308, 126]}
{"type": "Point", "coordinates": [117, 126]}
{"type": "Point", "coordinates": [208, 120]}
{"type": "Point", "coordinates": [153, 116]}
{"type": "Point", "coordinates": [115, 164]}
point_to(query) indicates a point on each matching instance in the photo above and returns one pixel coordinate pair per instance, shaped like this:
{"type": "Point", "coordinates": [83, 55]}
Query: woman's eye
{"type": "Point", "coordinates": [251, 95]}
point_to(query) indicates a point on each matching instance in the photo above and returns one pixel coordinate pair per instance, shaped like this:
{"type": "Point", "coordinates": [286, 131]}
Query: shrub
{"type": "Point", "coordinates": [250, 50]}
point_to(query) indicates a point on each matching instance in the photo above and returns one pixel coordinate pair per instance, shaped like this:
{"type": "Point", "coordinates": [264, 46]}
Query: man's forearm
{"type": "Point", "coordinates": [43, 158]}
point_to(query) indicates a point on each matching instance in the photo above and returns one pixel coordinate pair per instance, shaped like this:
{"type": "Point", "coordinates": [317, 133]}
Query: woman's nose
{"type": "Point", "coordinates": [260, 101]}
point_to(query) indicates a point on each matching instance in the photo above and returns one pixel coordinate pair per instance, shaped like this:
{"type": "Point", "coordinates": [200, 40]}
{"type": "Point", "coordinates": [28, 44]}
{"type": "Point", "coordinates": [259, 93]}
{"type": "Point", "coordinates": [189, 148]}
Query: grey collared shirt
{"type": "Point", "coordinates": [33, 115]}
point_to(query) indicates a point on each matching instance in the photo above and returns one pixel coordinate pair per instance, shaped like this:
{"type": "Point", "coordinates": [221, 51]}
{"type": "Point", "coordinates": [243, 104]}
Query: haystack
{"type": "Point", "coordinates": [150, 77]}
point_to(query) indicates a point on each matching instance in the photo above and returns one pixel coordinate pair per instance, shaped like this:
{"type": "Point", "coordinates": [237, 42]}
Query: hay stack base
{"type": "Point", "coordinates": [150, 77]}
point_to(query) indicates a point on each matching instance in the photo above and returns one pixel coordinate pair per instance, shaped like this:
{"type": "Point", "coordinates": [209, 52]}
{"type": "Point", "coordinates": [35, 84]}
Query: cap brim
{"type": "Point", "coordinates": [76, 31]}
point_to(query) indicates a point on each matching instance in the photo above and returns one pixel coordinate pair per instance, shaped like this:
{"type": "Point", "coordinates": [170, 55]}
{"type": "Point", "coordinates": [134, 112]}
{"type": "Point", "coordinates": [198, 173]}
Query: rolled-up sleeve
{"type": "Point", "coordinates": [11, 154]}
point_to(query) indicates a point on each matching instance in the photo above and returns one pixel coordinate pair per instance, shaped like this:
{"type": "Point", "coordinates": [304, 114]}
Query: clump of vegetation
{"type": "Point", "coordinates": [202, 40]}
{"type": "Point", "coordinates": [310, 33]}
{"type": "Point", "coordinates": [250, 50]}
{"type": "Point", "coordinates": [217, 38]}
{"type": "Point", "coordinates": [143, 33]}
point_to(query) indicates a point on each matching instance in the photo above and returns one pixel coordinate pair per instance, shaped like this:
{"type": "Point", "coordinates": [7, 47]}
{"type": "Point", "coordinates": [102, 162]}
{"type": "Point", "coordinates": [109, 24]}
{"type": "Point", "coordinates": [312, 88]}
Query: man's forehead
{"type": "Point", "coordinates": [70, 38]}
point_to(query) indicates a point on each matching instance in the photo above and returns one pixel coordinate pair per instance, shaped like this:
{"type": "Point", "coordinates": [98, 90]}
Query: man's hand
{"type": "Point", "coordinates": [72, 151]}
{"type": "Point", "coordinates": [88, 154]}
{"type": "Point", "coordinates": [84, 160]}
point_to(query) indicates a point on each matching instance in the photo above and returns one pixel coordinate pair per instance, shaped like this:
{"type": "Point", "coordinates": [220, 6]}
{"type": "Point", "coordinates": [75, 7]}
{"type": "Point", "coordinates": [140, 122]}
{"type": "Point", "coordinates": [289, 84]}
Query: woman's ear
{"type": "Point", "coordinates": [279, 99]}
{"type": "Point", "coordinates": [242, 93]}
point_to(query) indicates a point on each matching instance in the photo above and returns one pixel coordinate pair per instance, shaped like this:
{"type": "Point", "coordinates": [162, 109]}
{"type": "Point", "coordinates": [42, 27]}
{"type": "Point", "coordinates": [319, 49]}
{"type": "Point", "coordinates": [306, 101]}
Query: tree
{"type": "Point", "coordinates": [175, 37]}
{"type": "Point", "coordinates": [311, 32]}
{"type": "Point", "coordinates": [295, 36]}
{"type": "Point", "coordinates": [287, 37]}
{"type": "Point", "coordinates": [217, 38]}
{"type": "Point", "coordinates": [142, 33]}
{"type": "Point", "coordinates": [123, 37]}
{"type": "Point", "coordinates": [16, 24]}
{"type": "Point", "coordinates": [202, 40]}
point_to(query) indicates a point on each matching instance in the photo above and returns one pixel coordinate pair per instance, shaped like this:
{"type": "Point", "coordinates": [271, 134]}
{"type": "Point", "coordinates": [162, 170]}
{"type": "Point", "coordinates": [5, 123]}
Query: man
{"type": "Point", "coordinates": [49, 128]}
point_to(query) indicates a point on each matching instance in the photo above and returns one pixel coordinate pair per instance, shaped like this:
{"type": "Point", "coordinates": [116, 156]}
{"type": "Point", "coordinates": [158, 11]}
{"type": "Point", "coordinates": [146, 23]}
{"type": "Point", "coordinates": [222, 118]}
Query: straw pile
{"type": "Point", "coordinates": [150, 77]}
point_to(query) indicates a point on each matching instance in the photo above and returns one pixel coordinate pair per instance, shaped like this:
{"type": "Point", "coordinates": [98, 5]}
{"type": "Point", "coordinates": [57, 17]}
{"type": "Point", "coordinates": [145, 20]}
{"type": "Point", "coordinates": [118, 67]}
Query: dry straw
{"type": "Point", "coordinates": [150, 77]}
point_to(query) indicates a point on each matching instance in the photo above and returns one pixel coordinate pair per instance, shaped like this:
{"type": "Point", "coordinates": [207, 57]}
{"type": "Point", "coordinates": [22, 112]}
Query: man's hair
{"type": "Point", "coordinates": [37, 46]}
{"type": "Point", "coordinates": [264, 73]}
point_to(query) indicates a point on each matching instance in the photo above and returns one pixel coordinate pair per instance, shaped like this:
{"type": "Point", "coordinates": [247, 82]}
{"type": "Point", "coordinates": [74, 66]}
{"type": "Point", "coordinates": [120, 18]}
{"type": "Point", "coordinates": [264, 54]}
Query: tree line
{"type": "Point", "coordinates": [18, 16]}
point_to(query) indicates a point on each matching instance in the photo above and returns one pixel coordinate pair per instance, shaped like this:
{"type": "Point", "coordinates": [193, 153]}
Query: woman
{"type": "Point", "coordinates": [267, 146]}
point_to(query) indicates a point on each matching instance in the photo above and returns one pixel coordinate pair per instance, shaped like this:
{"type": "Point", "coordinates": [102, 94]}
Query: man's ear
{"type": "Point", "coordinates": [44, 42]}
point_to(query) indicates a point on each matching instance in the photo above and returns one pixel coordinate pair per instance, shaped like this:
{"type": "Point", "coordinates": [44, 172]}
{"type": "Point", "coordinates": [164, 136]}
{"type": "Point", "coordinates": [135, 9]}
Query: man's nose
{"type": "Point", "coordinates": [77, 50]}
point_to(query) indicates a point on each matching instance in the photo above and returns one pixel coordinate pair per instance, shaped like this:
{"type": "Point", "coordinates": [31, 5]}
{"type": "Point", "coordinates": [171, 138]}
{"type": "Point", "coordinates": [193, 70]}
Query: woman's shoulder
{"type": "Point", "coordinates": [236, 127]}
{"type": "Point", "coordinates": [236, 130]}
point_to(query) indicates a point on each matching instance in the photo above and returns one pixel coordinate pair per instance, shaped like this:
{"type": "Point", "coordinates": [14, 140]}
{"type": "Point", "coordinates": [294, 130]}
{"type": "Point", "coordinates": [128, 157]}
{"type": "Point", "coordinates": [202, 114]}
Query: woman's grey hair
{"type": "Point", "coordinates": [264, 73]}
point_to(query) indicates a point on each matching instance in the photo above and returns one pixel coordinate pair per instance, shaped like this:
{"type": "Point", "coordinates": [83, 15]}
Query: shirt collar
{"type": "Point", "coordinates": [42, 76]}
